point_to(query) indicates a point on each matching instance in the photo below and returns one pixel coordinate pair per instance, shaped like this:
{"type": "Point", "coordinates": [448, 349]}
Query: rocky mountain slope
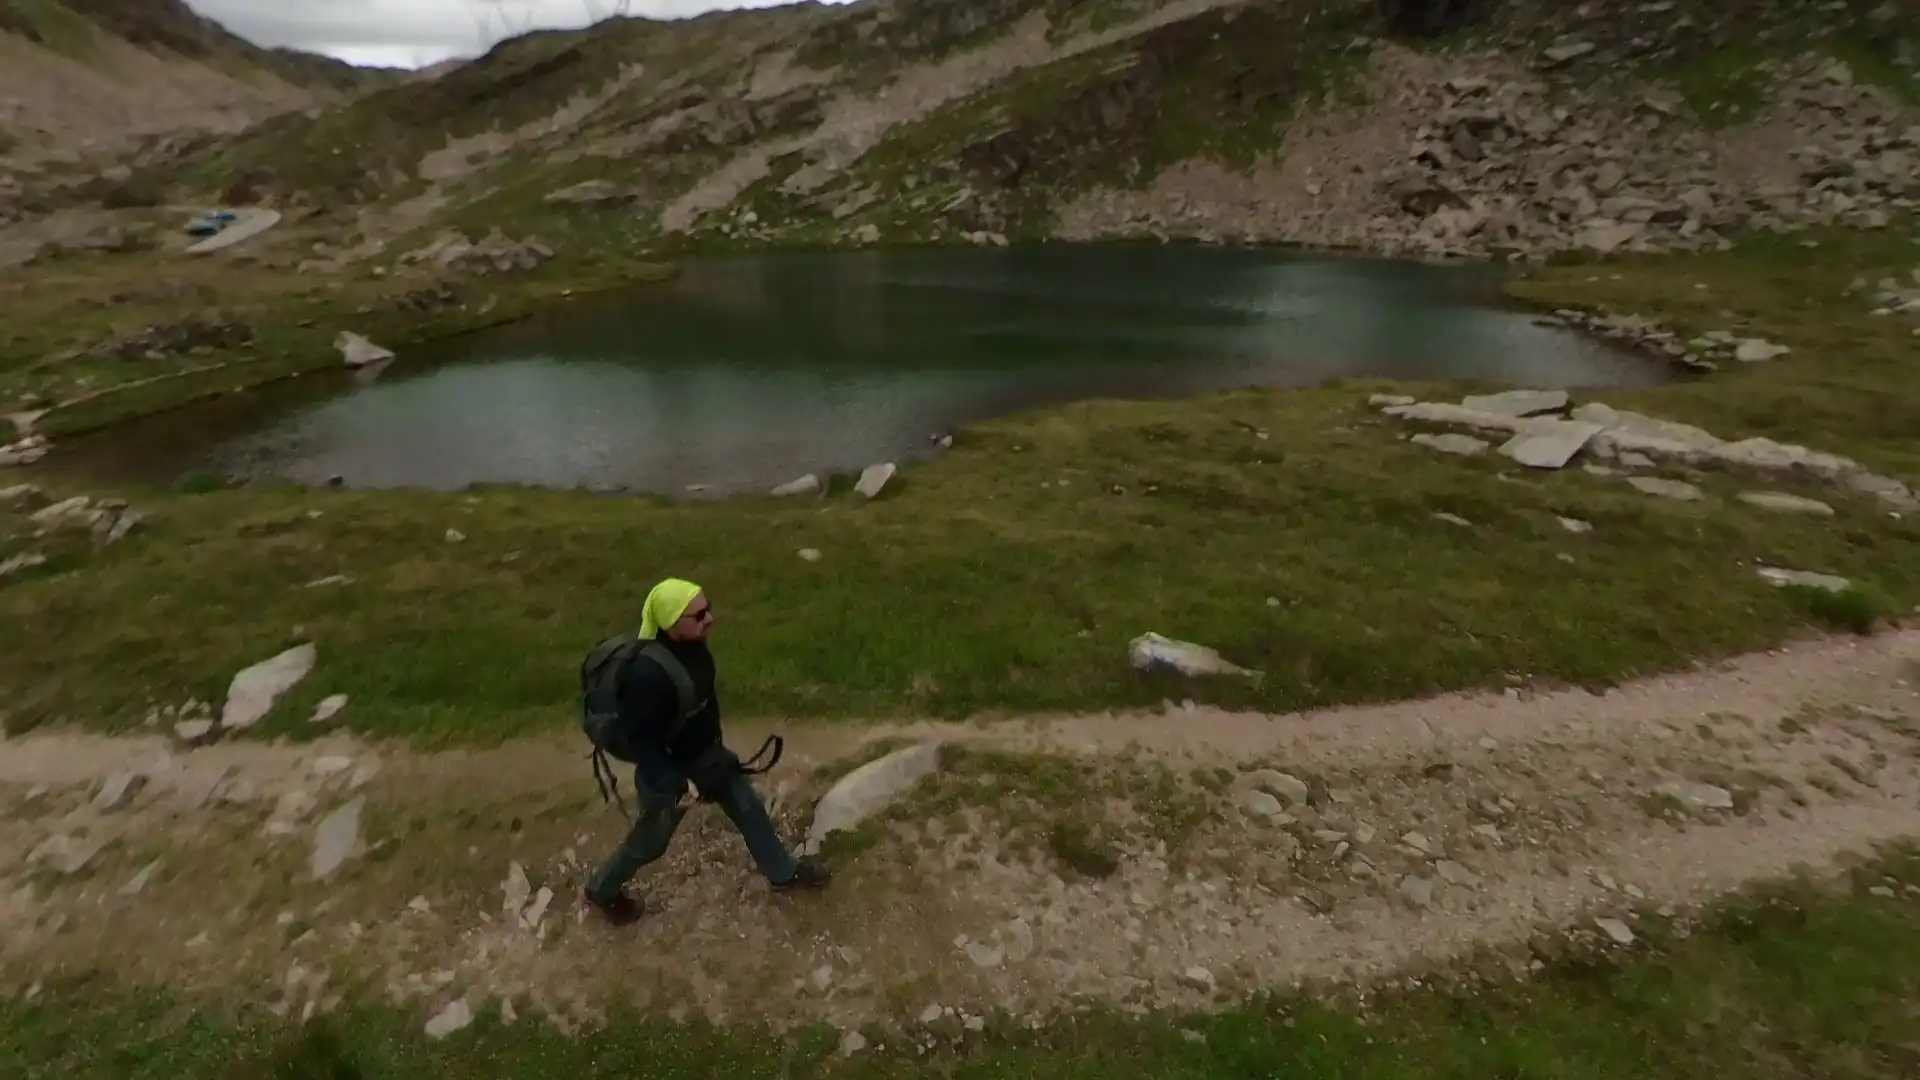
{"type": "Point", "coordinates": [1476, 127]}
{"type": "Point", "coordinates": [95, 75]}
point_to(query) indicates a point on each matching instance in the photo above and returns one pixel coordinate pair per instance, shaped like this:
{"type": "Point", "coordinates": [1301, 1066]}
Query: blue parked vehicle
{"type": "Point", "coordinates": [210, 223]}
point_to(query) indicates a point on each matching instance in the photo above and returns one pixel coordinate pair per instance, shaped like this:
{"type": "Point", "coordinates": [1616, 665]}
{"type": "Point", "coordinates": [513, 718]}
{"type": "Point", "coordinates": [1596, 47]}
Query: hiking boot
{"type": "Point", "coordinates": [622, 910]}
{"type": "Point", "coordinates": [806, 875]}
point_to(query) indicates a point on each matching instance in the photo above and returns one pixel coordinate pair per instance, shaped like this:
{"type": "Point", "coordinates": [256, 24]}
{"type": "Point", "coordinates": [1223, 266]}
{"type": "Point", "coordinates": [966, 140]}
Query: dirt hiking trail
{"type": "Point", "coordinates": [1147, 860]}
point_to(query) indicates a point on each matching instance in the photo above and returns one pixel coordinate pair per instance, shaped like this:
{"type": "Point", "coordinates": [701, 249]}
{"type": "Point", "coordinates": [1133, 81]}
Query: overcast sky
{"type": "Point", "coordinates": [414, 33]}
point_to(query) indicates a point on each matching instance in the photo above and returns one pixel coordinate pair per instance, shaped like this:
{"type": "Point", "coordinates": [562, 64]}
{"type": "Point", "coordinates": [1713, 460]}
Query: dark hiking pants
{"type": "Point", "coordinates": [660, 814]}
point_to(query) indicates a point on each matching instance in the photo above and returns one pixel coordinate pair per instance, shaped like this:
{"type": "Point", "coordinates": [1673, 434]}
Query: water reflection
{"type": "Point", "coordinates": [746, 372]}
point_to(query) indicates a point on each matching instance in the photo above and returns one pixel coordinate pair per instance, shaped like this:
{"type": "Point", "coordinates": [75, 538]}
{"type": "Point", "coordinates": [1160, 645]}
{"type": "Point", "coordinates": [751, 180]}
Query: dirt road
{"type": "Point", "coordinates": [1146, 860]}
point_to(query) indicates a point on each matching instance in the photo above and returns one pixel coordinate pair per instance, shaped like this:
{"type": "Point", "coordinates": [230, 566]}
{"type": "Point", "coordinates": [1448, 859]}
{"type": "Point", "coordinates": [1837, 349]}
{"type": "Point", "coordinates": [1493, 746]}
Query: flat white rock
{"type": "Point", "coordinates": [337, 838]}
{"type": "Point", "coordinates": [1451, 443]}
{"type": "Point", "coordinates": [806, 485]}
{"type": "Point", "coordinates": [1807, 579]}
{"type": "Point", "coordinates": [1666, 489]}
{"type": "Point", "coordinates": [456, 1016]}
{"type": "Point", "coordinates": [1550, 444]}
{"type": "Point", "coordinates": [253, 691]}
{"type": "Point", "coordinates": [1517, 402]}
{"type": "Point", "coordinates": [1150, 650]}
{"type": "Point", "coordinates": [1785, 503]}
{"type": "Point", "coordinates": [873, 478]}
{"type": "Point", "coordinates": [329, 708]}
{"type": "Point", "coordinates": [357, 352]}
{"type": "Point", "coordinates": [869, 789]}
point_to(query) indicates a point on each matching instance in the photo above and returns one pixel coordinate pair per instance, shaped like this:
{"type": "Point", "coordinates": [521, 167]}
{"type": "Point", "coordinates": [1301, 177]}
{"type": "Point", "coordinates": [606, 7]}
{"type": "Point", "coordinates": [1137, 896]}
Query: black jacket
{"type": "Point", "coordinates": [648, 702]}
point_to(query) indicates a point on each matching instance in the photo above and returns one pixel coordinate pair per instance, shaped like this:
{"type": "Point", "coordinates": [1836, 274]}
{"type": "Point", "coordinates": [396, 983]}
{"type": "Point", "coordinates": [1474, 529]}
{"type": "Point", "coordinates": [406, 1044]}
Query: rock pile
{"type": "Point", "coordinates": [194, 334]}
{"type": "Point", "coordinates": [109, 520]}
{"type": "Point", "coordinates": [1701, 354]}
{"type": "Point", "coordinates": [1540, 436]}
{"type": "Point", "coordinates": [1503, 170]}
{"type": "Point", "coordinates": [1892, 296]}
{"type": "Point", "coordinates": [494, 253]}
{"type": "Point", "coordinates": [21, 563]}
{"type": "Point", "coordinates": [25, 451]}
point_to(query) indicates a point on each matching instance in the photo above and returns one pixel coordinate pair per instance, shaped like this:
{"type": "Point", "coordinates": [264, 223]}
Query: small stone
{"type": "Point", "coordinates": [1620, 932]}
{"type": "Point", "coordinates": [1417, 890]}
{"type": "Point", "coordinates": [975, 1023]}
{"type": "Point", "coordinates": [1756, 351]}
{"type": "Point", "coordinates": [1566, 52]}
{"type": "Point", "coordinates": [1286, 785]}
{"type": "Point", "coordinates": [1261, 803]}
{"type": "Point", "coordinates": [537, 910]}
{"type": "Point", "coordinates": [140, 880]}
{"type": "Point", "coordinates": [456, 1016]}
{"type": "Point", "coordinates": [1451, 443]}
{"type": "Point", "coordinates": [873, 479]}
{"type": "Point", "coordinates": [253, 691]}
{"type": "Point", "coordinates": [930, 1014]}
{"type": "Point", "coordinates": [26, 560]}
{"type": "Point", "coordinates": [337, 839]}
{"type": "Point", "coordinates": [984, 955]}
{"type": "Point", "coordinates": [1454, 873]}
{"type": "Point", "coordinates": [1453, 519]}
{"type": "Point", "coordinates": [1418, 843]}
{"type": "Point", "coordinates": [1785, 503]}
{"type": "Point", "coordinates": [852, 1042]}
{"type": "Point", "coordinates": [516, 890]}
{"type": "Point", "coordinates": [332, 765]}
{"type": "Point", "coordinates": [455, 536]}
{"type": "Point", "coordinates": [1700, 796]}
{"type": "Point", "coordinates": [1575, 525]}
{"type": "Point", "coordinates": [1666, 489]}
{"type": "Point", "coordinates": [1882, 891]}
{"type": "Point", "coordinates": [810, 554]}
{"type": "Point", "coordinates": [329, 708]}
{"type": "Point", "coordinates": [1385, 401]}
{"type": "Point", "coordinates": [358, 352]}
{"type": "Point", "coordinates": [1198, 978]}
{"type": "Point", "coordinates": [806, 485]}
{"type": "Point", "coordinates": [64, 853]}
{"type": "Point", "coordinates": [119, 790]}
{"type": "Point", "coordinates": [1806, 579]}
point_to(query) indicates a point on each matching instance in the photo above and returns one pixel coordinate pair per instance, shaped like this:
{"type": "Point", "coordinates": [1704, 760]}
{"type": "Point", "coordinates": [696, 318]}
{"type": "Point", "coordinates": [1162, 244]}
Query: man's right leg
{"type": "Point", "coordinates": [646, 841]}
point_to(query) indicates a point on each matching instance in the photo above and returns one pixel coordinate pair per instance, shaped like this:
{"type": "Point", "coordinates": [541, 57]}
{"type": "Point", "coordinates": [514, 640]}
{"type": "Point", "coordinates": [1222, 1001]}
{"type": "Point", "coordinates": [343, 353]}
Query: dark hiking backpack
{"type": "Point", "coordinates": [601, 675]}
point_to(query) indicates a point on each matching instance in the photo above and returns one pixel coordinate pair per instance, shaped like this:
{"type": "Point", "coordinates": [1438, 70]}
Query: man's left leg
{"type": "Point", "coordinates": [749, 815]}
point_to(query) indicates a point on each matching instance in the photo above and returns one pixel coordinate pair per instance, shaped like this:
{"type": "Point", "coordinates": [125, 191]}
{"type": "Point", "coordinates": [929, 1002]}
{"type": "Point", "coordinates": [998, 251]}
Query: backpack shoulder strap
{"type": "Point", "coordinates": [676, 672]}
{"type": "Point", "coordinates": [607, 658]}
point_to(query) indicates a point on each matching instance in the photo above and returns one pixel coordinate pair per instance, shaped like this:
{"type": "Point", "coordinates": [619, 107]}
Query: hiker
{"type": "Point", "coordinates": [651, 702]}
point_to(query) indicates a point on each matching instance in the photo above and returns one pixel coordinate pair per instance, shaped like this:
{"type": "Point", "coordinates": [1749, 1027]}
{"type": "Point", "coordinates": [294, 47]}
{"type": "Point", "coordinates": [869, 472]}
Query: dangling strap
{"type": "Point", "coordinates": [603, 775]}
{"type": "Point", "coordinates": [774, 743]}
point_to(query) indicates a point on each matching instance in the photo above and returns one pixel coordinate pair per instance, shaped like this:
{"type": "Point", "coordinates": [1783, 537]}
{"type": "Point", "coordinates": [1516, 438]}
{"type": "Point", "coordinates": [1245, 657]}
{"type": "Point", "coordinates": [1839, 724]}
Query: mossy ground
{"type": "Point", "coordinates": [1294, 531]}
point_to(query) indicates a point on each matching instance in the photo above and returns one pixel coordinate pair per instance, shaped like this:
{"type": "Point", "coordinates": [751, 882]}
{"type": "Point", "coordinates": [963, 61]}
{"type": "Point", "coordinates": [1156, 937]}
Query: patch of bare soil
{"type": "Point", "coordinates": [1143, 860]}
{"type": "Point", "coordinates": [855, 122]}
{"type": "Point", "coordinates": [56, 103]}
{"type": "Point", "coordinates": [1329, 182]}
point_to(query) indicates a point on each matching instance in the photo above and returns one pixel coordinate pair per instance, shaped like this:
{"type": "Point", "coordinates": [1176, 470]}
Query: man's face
{"type": "Point", "coordinates": [695, 623]}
